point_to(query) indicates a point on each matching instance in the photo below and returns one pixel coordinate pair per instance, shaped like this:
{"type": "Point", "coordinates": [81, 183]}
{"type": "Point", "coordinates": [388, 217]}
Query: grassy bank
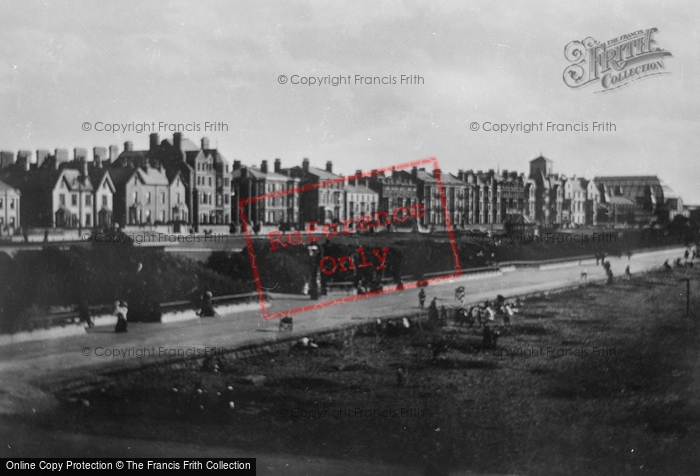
{"type": "Point", "coordinates": [600, 380]}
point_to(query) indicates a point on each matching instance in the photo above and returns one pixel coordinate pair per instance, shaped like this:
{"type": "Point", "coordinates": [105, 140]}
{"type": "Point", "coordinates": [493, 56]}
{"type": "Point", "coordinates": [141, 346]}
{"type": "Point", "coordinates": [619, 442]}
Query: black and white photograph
{"type": "Point", "coordinates": [386, 237]}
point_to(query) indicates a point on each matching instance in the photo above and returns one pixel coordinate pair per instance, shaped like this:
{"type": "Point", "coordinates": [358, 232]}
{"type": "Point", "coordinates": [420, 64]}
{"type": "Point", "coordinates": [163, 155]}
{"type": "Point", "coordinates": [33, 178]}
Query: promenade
{"type": "Point", "coordinates": [25, 366]}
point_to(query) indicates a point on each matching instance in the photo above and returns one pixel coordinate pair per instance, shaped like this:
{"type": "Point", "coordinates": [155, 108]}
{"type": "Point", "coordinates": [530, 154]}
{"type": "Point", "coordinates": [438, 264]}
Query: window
{"type": "Point", "coordinates": [162, 197]}
{"type": "Point", "coordinates": [88, 200]}
{"type": "Point", "coordinates": [210, 181]}
{"type": "Point", "coordinates": [1, 204]}
{"type": "Point", "coordinates": [162, 216]}
{"type": "Point", "coordinates": [136, 197]}
{"type": "Point", "coordinates": [104, 200]}
{"type": "Point", "coordinates": [148, 198]}
{"type": "Point", "coordinates": [88, 219]}
{"type": "Point", "coordinates": [62, 199]}
{"type": "Point", "coordinates": [74, 200]}
{"type": "Point", "coordinates": [177, 197]}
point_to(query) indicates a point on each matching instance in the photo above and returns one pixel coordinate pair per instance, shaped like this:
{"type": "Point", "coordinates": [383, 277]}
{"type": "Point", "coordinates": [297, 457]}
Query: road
{"type": "Point", "coordinates": [24, 365]}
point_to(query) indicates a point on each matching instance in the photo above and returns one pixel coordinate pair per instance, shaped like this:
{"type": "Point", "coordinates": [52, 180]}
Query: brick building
{"type": "Point", "coordinates": [324, 204]}
{"type": "Point", "coordinates": [145, 195]}
{"type": "Point", "coordinates": [250, 182]}
{"type": "Point", "coordinates": [548, 192]}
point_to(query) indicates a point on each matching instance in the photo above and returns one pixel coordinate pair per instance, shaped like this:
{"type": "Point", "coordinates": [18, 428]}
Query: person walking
{"type": "Point", "coordinates": [84, 313]}
{"type": "Point", "coordinates": [421, 298]}
{"type": "Point", "coordinates": [121, 309]}
{"type": "Point", "coordinates": [433, 310]}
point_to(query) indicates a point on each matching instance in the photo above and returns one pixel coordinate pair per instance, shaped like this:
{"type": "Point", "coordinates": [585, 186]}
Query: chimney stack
{"type": "Point", "coordinates": [24, 158]}
{"type": "Point", "coordinates": [128, 146]}
{"type": "Point", "coordinates": [41, 155]}
{"type": "Point", "coordinates": [6, 158]}
{"type": "Point", "coordinates": [205, 143]}
{"type": "Point", "coordinates": [278, 166]}
{"type": "Point", "coordinates": [98, 155]}
{"type": "Point", "coordinates": [357, 178]}
{"type": "Point", "coordinates": [61, 156]}
{"type": "Point", "coordinates": [236, 165]}
{"type": "Point", "coordinates": [263, 166]}
{"type": "Point", "coordinates": [329, 167]}
{"type": "Point", "coordinates": [305, 165]}
{"type": "Point", "coordinates": [79, 153]}
{"type": "Point", "coordinates": [414, 172]}
{"type": "Point", "coordinates": [154, 141]}
{"type": "Point", "coordinates": [177, 141]}
{"type": "Point", "coordinates": [83, 167]}
{"type": "Point", "coordinates": [113, 153]}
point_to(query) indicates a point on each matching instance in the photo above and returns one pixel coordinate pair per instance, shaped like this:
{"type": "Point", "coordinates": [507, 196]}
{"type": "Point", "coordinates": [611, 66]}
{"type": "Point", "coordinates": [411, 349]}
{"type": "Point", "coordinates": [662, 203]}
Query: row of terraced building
{"type": "Point", "coordinates": [183, 185]}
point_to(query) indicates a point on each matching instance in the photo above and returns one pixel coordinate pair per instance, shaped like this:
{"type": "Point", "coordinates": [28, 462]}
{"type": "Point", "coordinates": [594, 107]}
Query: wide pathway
{"type": "Point", "coordinates": [23, 365]}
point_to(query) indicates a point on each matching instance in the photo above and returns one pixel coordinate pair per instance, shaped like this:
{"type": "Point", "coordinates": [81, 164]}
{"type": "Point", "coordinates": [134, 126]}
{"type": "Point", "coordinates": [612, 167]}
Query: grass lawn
{"type": "Point", "coordinates": [600, 380]}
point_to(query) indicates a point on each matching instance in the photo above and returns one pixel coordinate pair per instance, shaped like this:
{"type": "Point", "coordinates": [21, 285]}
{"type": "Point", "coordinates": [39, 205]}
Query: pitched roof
{"type": "Point", "coordinates": [322, 174]}
{"type": "Point", "coordinates": [148, 176]}
{"type": "Point", "coordinates": [75, 180]}
{"type": "Point", "coordinates": [218, 156]}
{"type": "Point", "coordinates": [359, 189]}
{"type": "Point", "coordinates": [152, 176]}
{"type": "Point", "coordinates": [186, 145]}
{"type": "Point", "coordinates": [5, 187]}
{"type": "Point", "coordinates": [259, 174]}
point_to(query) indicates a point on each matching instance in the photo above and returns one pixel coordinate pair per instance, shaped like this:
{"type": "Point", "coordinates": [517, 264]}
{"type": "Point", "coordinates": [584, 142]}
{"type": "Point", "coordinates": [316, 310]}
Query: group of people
{"type": "Point", "coordinates": [487, 313]}
{"type": "Point", "coordinates": [121, 311]}
{"type": "Point", "coordinates": [479, 315]}
{"type": "Point", "coordinates": [687, 261]}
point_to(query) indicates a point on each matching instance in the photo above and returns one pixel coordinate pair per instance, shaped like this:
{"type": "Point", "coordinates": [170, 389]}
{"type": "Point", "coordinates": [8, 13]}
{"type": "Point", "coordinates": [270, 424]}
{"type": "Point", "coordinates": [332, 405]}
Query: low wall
{"type": "Point", "coordinates": [568, 264]}
{"type": "Point", "coordinates": [43, 334]}
{"type": "Point", "coordinates": [103, 320]}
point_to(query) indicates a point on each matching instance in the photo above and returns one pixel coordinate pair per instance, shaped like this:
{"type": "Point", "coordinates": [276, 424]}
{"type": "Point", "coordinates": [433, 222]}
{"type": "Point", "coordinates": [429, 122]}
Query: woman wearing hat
{"type": "Point", "coordinates": [121, 309]}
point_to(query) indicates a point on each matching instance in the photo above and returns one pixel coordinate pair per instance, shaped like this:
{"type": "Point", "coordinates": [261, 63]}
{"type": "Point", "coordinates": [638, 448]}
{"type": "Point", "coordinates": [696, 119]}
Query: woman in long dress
{"type": "Point", "coordinates": [121, 311]}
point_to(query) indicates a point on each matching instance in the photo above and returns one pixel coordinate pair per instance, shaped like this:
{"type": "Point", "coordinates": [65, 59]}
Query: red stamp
{"type": "Point", "coordinates": [336, 209]}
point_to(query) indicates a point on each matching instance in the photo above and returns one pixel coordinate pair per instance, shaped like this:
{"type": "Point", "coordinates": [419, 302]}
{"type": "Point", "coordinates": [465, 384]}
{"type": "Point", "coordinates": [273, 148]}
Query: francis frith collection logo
{"type": "Point", "coordinates": [614, 63]}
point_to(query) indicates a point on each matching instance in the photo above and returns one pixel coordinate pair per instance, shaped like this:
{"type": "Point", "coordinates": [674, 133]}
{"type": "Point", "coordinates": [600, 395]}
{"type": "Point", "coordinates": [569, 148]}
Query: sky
{"type": "Point", "coordinates": [67, 63]}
